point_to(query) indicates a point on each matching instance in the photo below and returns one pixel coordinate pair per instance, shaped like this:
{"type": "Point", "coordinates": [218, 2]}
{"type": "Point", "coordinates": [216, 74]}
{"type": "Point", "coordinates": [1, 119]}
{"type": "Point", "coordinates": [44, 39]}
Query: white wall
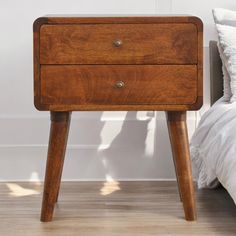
{"type": "Point", "coordinates": [102, 145]}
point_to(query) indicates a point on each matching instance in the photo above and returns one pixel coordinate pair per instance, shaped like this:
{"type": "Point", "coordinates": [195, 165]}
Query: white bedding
{"type": "Point", "coordinates": [213, 148]}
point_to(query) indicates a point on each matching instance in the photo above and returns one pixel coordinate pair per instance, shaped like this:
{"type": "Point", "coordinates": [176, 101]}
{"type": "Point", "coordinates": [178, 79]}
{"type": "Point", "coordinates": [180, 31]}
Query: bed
{"type": "Point", "coordinates": [213, 145]}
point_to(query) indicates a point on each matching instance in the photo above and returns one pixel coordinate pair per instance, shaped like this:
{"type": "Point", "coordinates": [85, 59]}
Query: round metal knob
{"type": "Point", "coordinates": [120, 84]}
{"type": "Point", "coordinates": [117, 43]}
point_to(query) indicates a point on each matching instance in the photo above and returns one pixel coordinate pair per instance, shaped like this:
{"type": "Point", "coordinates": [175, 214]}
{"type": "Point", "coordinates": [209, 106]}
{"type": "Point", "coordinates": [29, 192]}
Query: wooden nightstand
{"type": "Point", "coordinates": [84, 63]}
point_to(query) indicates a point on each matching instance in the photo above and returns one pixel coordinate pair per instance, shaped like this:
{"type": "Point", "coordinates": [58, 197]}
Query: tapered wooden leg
{"type": "Point", "coordinates": [60, 123]}
{"type": "Point", "coordinates": [177, 178]}
{"type": "Point", "coordinates": [177, 127]}
{"type": "Point", "coordinates": [58, 189]}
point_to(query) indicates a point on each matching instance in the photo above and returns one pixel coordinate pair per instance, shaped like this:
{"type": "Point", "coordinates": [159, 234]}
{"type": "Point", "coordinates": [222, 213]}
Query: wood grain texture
{"type": "Point", "coordinates": [115, 19]}
{"type": "Point", "coordinates": [92, 107]}
{"type": "Point", "coordinates": [76, 66]}
{"type": "Point", "coordinates": [127, 208]}
{"type": "Point", "coordinates": [176, 40]}
{"type": "Point", "coordinates": [143, 85]}
{"type": "Point", "coordinates": [180, 148]}
{"type": "Point", "coordinates": [60, 123]}
{"type": "Point", "coordinates": [141, 44]}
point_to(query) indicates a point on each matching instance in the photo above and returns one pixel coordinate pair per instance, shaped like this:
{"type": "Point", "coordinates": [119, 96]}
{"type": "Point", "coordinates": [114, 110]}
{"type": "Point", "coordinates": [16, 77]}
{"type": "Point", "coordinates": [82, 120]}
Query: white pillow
{"type": "Point", "coordinates": [227, 40]}
{"type": "Point", "coordinates": [224, 18]}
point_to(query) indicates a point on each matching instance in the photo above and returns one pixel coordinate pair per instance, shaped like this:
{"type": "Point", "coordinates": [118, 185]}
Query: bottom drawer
{"type": "Point", "coordinates": [118, 85]}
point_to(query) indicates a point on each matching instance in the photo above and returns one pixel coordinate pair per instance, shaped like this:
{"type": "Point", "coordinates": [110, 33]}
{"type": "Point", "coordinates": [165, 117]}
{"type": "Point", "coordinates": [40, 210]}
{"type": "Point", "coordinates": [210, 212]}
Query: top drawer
{"type": "Point", "coordinates": [169, 43]}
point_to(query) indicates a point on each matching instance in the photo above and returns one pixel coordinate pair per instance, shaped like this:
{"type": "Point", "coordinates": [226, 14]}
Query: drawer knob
{"type": "Point", "coordinates": [117, 43]}
{"type": "Point", "coordinates": [120, 84]}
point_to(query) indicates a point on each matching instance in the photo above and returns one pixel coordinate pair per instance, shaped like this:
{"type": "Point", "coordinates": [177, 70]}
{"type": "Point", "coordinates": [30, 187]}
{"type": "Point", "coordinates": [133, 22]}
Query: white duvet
{"type": "Point", "coordinates": [213, 148]}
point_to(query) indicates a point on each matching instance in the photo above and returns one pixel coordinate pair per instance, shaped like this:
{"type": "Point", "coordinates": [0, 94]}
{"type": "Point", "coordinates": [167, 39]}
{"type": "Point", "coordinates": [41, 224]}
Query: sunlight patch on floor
{"type": "Point", "coordinates": [17, 191]}
{"type": "Point", "coordinates": [110, 186]}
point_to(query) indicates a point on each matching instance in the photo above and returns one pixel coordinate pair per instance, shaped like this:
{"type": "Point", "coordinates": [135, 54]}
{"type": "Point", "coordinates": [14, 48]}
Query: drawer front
{"type": "Point", "coordinates": [169, 43]}
{"type": "Point", "coordinates": [118, 85]}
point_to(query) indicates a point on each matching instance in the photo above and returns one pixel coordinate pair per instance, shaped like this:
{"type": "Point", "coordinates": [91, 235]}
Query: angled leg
{"type": "Point", "coordinates": [58, 189]}
{"type": "Point", "coordinates": [60, 122]}
{"type": "Point", "coordinates": [177, 127]}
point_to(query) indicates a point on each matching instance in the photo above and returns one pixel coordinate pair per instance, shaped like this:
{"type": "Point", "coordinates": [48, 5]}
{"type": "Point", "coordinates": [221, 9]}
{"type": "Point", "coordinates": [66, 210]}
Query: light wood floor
{"type": "Point", "coordinates": [115, 208]}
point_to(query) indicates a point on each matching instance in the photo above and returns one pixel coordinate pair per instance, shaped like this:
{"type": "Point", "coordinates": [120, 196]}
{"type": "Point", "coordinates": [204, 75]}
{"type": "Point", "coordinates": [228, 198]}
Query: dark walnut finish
{"type": "Point", "coordinates": [85, 63]}
{"type": "Point", "coordinates": [97, 84]}
{"type": "Point", "coordinates": [177, 127]}
{"type": "Point", "coordinates": [60, 123]}
{"type": "Point", "coordinates": [96, 44]}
